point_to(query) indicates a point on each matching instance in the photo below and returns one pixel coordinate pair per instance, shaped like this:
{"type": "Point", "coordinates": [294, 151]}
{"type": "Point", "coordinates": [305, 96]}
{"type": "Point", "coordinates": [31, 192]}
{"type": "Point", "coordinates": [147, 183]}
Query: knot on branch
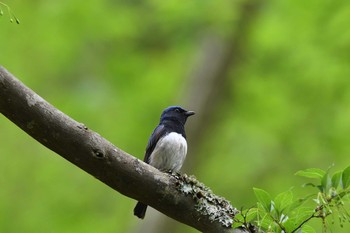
{"type": "Point", "coordinates": [98, 153]}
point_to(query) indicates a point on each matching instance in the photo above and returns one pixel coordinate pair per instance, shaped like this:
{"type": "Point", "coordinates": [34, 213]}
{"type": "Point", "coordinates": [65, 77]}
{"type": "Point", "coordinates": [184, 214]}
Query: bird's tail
{"type": "Point", "coordinates": [140, 210]}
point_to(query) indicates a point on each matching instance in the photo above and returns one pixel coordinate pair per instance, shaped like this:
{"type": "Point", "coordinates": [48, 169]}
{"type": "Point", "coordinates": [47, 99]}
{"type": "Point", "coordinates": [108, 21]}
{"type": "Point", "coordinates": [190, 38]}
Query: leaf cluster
{"type": "Point", "coordinates": [284, 214]}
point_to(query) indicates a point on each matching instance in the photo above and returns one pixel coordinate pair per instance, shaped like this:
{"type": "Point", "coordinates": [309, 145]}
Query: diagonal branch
{"type": "Point", "coordinates": [97, 156]}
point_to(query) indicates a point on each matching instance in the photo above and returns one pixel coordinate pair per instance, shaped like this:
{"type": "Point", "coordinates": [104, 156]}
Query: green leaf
{"type": "Point", "coordinates": [309, 184]}
{"type": "Point", "coordinates": [326, 183]}
{"type": "Point", "coordinates": [289, 224]}
{"type": "Point", "coordinates": [238, 221]}
{"type": "Point", "coordinates": [264, 198]}
{"type": "Point", "coordinates": [265, 221]}
{"type": "Point", "coordinates": [251, 214]}
{"type": "Point", "coordinates": [283, 200]}
{"type": "Point", "coordinates": [294, 213]}
{"type": "Point", "coordinates": [296, 204]}
{"type": "Point", "coordinates": [346, 177]}
{"type": "Point", "coordinates": [337, 180]}
{"type": "Point", "coordinates": [236, 224]}
{"type": "Point", "coordinates": [307, 229]}
{"type": "Point", "coordinates": [311, 173]}
{"type": "Point", "coordinates": [297, 217]}
{"type": "Point", "coordinates": [248, 215]}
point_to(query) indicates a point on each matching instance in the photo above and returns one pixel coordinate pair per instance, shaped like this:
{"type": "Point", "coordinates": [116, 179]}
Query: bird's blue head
{"type": "Point", "coordinates": [175, 113]}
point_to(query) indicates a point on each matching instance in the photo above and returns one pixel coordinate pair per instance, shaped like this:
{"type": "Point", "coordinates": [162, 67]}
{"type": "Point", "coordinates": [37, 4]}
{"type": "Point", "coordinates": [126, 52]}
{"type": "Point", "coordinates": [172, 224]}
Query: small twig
{"type": "Point", "coordinates": [278, 223]}
{"type": "Point", "coordinates": [11, 14]}
{"type": "Point", "coordinates": [314, 215]}
{"type": "Point", "coordinates": [305, 221]}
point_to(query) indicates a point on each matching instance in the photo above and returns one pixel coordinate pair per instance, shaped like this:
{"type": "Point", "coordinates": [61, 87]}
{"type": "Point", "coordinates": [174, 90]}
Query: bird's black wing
{"type": "Point", "coordinates": [158, 133]}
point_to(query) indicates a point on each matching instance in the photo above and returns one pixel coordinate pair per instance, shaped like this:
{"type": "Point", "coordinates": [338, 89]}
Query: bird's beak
{"type": "Point", "coordinates": [189, 113]}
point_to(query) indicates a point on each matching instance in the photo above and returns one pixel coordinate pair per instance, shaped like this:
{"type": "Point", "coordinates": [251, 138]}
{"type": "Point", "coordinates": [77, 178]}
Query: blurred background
{"type": "Point", "coordinates": [269, 80]}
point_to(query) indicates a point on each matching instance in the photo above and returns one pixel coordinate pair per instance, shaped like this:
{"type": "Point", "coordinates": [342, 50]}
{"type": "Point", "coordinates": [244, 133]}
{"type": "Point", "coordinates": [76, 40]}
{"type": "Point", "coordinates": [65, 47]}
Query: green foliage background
{"type": "Point", "coordinates": [114, 65]}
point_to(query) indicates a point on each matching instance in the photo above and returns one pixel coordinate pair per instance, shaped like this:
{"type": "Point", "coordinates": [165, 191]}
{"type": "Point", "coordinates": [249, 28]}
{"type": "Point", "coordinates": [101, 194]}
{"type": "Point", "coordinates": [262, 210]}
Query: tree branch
{"type": "Point", "coordinates": [97, 156]}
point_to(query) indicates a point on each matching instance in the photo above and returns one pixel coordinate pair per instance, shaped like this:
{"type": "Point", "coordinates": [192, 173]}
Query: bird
{"type": "Point", "coordinates": [167, 147]}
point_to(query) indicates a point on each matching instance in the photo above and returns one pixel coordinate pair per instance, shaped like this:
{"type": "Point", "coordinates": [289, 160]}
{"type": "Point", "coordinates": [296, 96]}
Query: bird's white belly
{"type": "Point", "coordinates": [169, 153]}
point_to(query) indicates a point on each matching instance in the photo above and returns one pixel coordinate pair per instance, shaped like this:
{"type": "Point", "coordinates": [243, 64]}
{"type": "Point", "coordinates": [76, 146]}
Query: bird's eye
{"type": "Point", "coordinates": [177, 110]}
